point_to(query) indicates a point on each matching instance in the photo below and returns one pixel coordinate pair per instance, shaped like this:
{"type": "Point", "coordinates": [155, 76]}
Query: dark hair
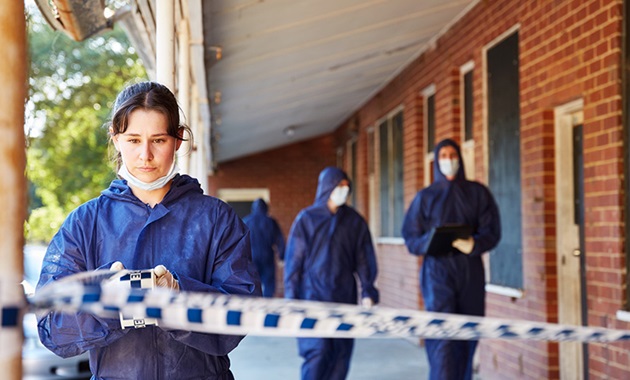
{"type": "Point", "coordinates": [148, 96]}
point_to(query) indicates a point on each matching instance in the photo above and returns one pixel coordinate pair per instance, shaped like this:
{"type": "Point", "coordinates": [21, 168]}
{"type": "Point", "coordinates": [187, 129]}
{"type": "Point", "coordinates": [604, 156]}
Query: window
{"type": "Point", "coordinates": [467, 117]}
{"type": "Point", "coordinates": [428, 107]}
{"type": "Point", "coordinates": [468, 100]}
{"type": "Point", "coordinates": [390, 137]}
{"type": "Point", "coordinates": [504, 156]}
{"type": "Point", "coordinates": [351, 168]}
{"type": "Point", "coordinates": [340, 157]}
{"type": "Point", "coordinates": [430, 122]}
{"type": "Point", "coordinates": [371, 171]}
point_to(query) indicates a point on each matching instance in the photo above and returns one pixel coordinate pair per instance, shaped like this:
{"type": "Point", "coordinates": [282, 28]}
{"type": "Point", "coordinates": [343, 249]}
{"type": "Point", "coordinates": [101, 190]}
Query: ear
{"type": "Point", "coordinates": [180, 134]}
{"type": "Point", "coordinates": [114, 139]}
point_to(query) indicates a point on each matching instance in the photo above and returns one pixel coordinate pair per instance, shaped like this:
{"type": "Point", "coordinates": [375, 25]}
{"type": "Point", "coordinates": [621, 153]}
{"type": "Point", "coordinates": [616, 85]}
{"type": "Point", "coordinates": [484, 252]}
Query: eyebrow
{"type": "Point", "coordinates": [137, 134]}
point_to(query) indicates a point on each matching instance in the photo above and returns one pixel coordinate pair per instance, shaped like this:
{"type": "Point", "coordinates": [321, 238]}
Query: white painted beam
{"type": "Point", "coordinates": [165, 43]}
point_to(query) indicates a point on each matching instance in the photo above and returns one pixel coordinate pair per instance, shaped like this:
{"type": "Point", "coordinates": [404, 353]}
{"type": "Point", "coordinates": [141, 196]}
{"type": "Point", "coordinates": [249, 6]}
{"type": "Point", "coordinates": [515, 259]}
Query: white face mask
{"type": "Point", "coordinates": [148, 186]}
{"type": "Point", "coordinates": [449, 167]}
{"type": "Point", "coordinates": [339, 195]}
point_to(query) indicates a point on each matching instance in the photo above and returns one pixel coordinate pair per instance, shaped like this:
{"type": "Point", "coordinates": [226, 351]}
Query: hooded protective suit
{"type": "Point", "coordinates": [454, 282]}
{"type": "Point", "coordinates": [265, 234]}
{"type": "Point", "coordinates": [324, 253]}
{"type": "Point", "coordinates": [198, 238]}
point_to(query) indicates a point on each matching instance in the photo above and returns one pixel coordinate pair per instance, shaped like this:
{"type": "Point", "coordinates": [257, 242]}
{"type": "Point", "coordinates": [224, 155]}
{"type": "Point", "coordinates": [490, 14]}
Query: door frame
{"type": "Point", "coordinates": [569, 284]}
{"type": "Point", "coordinates": [243, 195]}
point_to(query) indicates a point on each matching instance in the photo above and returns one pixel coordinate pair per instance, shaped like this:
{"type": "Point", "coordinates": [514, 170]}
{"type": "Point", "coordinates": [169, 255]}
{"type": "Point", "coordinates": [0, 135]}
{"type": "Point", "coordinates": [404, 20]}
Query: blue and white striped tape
{"type": "Point", "coordinates": [224, 314]}
{"type": "Point", "coordinates": [12, 306]}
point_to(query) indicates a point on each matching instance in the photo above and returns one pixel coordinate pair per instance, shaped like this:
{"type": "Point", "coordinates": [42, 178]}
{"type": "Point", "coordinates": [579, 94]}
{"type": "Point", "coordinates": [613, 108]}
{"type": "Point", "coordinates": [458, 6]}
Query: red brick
{"type": "Point", "coordinates": [569, 49]}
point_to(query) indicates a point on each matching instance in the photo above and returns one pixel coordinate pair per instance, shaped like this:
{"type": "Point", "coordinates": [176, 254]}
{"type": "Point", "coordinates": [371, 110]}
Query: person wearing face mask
{"type": "Point", "coordinates": [266, 238]}
{"type": "Point", "coordinates": [152, 217]}
{"type": "Point", "coordinates": [329, 243]}
{"type": "Point", "coordinates": [454, 281]}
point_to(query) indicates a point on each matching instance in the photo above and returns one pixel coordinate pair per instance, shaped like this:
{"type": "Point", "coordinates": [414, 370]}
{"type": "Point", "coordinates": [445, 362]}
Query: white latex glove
{"type": "Point", "coordinates": [164, 278]}
{"type": "Point", "coordinates": [117, 266]}
{"type": "Point", "coordinates": [367, 302]}
{"type": "Point", "coordinates": [464, 245]}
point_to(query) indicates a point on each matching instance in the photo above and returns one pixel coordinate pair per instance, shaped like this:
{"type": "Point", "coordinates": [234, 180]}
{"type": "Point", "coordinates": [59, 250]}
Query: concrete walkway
{"type": "Point", "coordinates": [261, 358]}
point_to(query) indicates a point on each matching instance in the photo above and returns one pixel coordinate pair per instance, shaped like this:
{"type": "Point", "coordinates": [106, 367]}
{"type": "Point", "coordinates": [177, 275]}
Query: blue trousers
{"type": "Point", "coordinates": [267, 272]}
{"type": "Point", "coordinates": [325, 359]}
{"type": "Point", "coordinates": [450, 359]}
{"type": "Point", "coordinates": [452, 284]}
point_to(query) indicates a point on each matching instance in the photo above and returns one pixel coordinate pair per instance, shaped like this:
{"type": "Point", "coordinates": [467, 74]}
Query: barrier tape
{"type": "Point", "coordinates": [240, 315]}
{"type": "Point", "coordinates": [12, 305]}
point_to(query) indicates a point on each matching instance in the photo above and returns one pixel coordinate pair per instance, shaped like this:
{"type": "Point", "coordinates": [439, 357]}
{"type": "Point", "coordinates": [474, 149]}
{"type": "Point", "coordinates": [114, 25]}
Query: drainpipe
{"type": "Point", "coordinates": [13, 76]}
{"type": "Point", "coordinates": [165, 43]}
{"type": "Point", "coordinates": [183, 91]}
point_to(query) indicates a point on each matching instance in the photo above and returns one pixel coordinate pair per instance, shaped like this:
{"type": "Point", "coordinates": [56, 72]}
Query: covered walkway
{"type": "Point", "coordinates": [259, 358]}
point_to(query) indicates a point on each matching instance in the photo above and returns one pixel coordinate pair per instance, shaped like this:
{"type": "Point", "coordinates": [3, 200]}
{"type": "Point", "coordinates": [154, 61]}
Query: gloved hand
{"type": "Point", "coordinates": [117, 266]}
{"type": "Point", "coordinates": [367, 302]}
{"type": "Point", "coordinates": [464, 245]}
{"type": "Point", "coordinates": [164, 278]}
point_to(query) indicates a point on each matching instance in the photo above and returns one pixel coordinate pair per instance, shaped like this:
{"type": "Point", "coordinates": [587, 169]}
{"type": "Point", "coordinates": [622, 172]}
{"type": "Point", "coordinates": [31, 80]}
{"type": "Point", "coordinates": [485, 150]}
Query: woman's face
{"type": "Point", "coordinates": [146, 148]}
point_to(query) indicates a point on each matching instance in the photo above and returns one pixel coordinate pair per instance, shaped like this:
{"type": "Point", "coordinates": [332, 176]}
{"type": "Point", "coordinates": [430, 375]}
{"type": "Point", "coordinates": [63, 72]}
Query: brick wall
{"type": "Point", "coordinates": [568, 49]}
{"type": "Point", "coordinates": [290, 173]}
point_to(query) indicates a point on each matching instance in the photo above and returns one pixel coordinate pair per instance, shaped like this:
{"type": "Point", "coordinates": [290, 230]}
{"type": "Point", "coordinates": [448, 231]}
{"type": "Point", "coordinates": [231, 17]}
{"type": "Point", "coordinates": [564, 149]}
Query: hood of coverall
{"type": "Point", "coordinates": [329, 178]}
{"type": "Point", "coordinates": [437, 174]}
{"type": "Point", "coordinates": [259, 206]}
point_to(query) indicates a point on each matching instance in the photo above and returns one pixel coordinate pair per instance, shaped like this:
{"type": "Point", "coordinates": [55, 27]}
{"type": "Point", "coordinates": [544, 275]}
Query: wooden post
{"type": "Point", "coordinates": [13, 76]}
{"type": "Point", "coordinates": [165, 43]}
{"type": "Point", "coordinates": [183, 92]}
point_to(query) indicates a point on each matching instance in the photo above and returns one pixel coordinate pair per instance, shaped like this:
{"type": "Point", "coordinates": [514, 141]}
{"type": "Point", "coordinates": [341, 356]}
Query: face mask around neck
{"type": "Point", "coordinates": [148, 186]}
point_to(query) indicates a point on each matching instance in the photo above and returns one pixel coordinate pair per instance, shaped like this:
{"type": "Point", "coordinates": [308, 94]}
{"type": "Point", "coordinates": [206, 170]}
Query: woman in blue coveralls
{"type": "Point", "coordinates": [454, 281]}
{"type": "Point", "coordinates": [328, 244]}
{"type": "Point", "coordinates": [266, 237]}
{"type": "Point", "coordinates": [151, 218]}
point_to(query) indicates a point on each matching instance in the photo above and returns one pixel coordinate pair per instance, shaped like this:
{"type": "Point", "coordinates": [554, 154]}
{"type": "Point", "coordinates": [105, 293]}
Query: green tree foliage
{"type": "Point", "coordinates": [72, 87]}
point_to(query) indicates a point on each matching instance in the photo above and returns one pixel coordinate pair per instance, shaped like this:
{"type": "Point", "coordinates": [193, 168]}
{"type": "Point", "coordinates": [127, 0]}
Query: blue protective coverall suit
{"type": "Point", "coordinates": [324, 252]}
{"type": "Point", "coordinates": [454, 282]}
{"type": "Point", "coordinates": [265, 234]}
{"type": "Point", "coordinates": [198, 238]}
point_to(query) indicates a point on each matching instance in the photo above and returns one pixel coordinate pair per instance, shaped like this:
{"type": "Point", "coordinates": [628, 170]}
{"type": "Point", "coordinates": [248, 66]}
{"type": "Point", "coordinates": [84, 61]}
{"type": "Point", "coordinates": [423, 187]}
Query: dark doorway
{"type": "Point", "coordinates": [242, 208]}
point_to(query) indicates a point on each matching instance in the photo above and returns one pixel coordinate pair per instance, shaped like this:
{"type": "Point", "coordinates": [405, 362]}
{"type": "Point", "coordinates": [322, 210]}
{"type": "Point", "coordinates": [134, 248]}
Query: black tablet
{"type": "Point", "coordinates": [441, 240]}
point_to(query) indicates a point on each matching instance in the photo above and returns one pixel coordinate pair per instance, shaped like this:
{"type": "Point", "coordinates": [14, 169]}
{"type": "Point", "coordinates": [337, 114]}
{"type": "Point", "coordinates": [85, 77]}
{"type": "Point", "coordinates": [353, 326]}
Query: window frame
{"type": "Point", "coordinates": [490, 286]}
{"type": "Point", "coordinates": [428, 153]}
{"type": "Point", "coordinates": [390, 235]}
{"type": "Point", "coordinates": [351, 168]}
{"type": "Point", "coordinates": [468, 145]}
{"type": "Point", "coordinates": [465, 69]}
